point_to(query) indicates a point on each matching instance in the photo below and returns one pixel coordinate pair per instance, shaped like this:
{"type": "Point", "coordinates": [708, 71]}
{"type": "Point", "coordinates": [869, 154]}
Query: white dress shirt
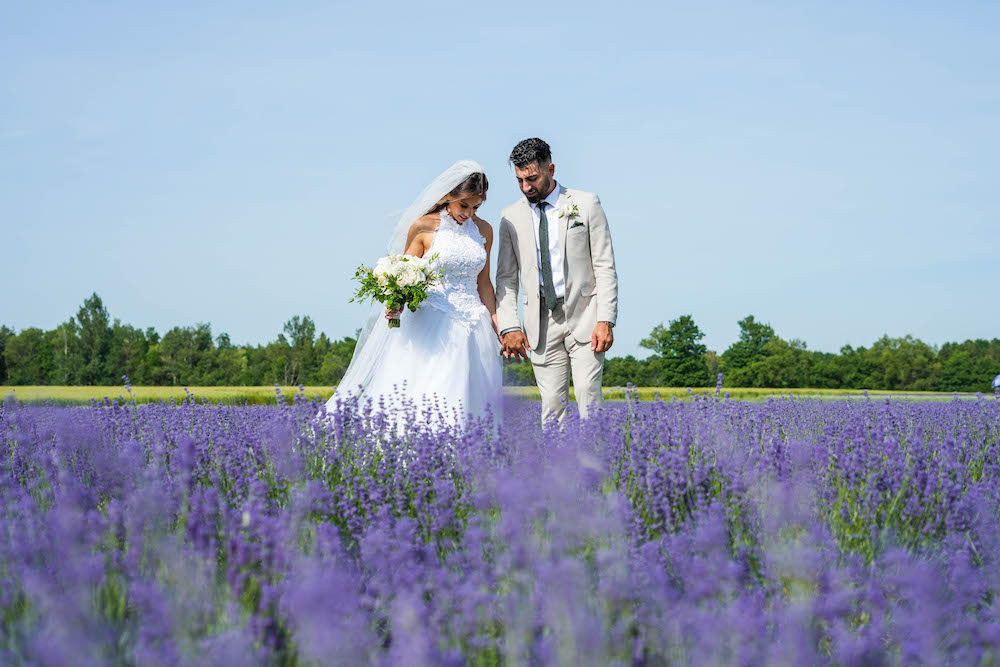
{"type": "Point", "coordinates": [555, 247]}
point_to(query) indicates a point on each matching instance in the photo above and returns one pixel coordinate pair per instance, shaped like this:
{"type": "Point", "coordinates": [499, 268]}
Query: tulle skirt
{"type": "Point", "coordinates": [433, 359]}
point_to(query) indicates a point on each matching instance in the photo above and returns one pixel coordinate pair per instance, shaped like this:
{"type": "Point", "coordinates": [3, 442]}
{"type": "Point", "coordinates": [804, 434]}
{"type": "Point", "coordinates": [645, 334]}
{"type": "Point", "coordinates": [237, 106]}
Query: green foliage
{"type": "Point", "coordinates": [87, 350]}
{"type": "Point", "coordinates": [712, 362]}
{"type": "Point", "coordinates": [762, 359]}
{"type": "Point", "coordinates": [782, 364]}
{"type": "Point", "coordinates": [751, 347]}
{"type": "Point", "coordinates": [95, 337]}
{"type": "Point", "coordinates": [620, 371]}
{"type": "Point", "coordinates": [67, 360]}
{"type": "Point", "coordinates": [680, 359]}
{"type": "Point", "coordinates": [968, 366]}
{"type": "Point", "coordinates": [5, 335]}
{"type": "Point", "coordinates": [299, 355]}
{"type": "Point", "coordinates": [92, 349]}
{"type": "Point", "coordinates": [29, 357]}
{"type": "Point", "coordinates": [518, 373]}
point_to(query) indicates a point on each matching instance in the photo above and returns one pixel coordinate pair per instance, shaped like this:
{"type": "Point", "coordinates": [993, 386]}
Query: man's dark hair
{"type": "Point", "coordinates": [531, 151]}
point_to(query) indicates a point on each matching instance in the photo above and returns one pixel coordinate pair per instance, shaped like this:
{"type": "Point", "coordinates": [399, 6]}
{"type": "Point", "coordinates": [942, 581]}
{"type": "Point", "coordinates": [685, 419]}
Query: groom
{"type": "Point", "coordinates": [556, 242]}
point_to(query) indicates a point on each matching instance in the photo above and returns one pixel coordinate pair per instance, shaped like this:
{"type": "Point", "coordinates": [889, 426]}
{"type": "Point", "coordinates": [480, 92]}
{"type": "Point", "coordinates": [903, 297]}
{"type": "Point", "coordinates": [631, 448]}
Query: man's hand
{"type": "Point", "coordinates": [515, 344]}
{"type": "Point", "coordinates": [602, 339]}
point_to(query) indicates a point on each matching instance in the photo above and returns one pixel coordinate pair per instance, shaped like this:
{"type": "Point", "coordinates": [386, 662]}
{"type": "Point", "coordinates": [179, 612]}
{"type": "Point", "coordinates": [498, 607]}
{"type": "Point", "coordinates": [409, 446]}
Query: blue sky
{"type": "Point", "coordinates": [831, 168]}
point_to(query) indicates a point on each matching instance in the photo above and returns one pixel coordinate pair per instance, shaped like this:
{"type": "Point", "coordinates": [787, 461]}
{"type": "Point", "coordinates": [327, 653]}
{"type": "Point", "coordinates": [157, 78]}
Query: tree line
{"type": "Point", "coordinates": [761, 358]}
{"type": "Point", "coordinates": [93, 349]}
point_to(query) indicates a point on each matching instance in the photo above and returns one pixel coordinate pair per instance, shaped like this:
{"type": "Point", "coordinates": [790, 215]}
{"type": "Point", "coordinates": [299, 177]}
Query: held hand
{"type": "Point", "coordinates": [602, 339]}
{"type": "Point", "coordinates": [390, 313]}
{"type": "Point", "coordinates": [515, 344]}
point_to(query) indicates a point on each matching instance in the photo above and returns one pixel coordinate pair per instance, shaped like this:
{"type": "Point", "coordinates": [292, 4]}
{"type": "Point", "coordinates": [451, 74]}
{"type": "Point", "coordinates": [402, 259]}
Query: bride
{"type": "Point", "coordinates": [447, 352]}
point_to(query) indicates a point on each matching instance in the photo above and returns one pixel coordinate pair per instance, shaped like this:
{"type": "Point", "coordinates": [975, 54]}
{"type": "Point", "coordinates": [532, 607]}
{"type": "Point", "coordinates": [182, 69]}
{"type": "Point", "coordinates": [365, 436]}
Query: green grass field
{"type": "Point", "coordinates": [33, 395]}
{"type": "Point", "coordinates": [37, 395]}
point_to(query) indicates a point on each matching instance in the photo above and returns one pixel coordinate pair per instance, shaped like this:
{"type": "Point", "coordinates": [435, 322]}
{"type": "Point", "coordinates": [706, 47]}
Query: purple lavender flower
{"type": "Point", "coordinates": [177, 533]}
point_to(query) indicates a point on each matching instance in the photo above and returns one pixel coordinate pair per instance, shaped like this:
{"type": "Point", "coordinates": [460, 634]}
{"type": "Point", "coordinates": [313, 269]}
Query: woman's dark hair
{"type": "Point", "coordinates": [475, 184]}
{"type": "Point", "coordinates": [531, 151]}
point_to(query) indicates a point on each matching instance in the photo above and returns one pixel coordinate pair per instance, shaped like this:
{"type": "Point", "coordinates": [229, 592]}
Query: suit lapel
{"type": "Point", "coordinates": [526, 219]}
{"type": "Point", "coordinates": [564, 199]}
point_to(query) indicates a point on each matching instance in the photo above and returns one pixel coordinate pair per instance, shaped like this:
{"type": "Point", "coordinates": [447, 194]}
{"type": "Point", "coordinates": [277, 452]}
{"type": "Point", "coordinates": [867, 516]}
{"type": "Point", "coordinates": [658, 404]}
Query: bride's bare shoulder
{"type": "Point", "coordinates": [484, 228]}
{"type": "Point", "coordinates": [424, 225]}
{"type": "Point", "coordinates": [427, 223]}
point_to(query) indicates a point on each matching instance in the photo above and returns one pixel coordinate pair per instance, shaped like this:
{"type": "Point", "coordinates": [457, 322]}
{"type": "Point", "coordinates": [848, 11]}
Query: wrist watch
{"type": "Point", "coordinates": [611, 325]}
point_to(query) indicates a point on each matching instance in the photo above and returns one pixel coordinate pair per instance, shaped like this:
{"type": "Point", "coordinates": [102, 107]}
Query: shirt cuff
{"type": "Point", "coordinates": [509, 329]}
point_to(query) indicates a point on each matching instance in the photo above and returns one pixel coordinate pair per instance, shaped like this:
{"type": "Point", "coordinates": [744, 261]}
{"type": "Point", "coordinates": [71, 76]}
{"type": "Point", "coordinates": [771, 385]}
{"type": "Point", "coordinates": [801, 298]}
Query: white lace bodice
{"type": "Point", "coordinates": [461, 254]}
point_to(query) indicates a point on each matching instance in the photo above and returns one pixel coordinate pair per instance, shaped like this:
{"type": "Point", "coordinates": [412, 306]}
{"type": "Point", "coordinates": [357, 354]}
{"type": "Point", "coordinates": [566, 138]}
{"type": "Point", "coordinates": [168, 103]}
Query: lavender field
{"type": "Point", "coordinates": [711, 531]}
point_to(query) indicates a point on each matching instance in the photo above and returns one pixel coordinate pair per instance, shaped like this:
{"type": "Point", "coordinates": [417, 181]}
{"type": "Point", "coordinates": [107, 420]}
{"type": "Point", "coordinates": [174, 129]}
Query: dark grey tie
{"type": "Point", "coordinates": [548, 286]}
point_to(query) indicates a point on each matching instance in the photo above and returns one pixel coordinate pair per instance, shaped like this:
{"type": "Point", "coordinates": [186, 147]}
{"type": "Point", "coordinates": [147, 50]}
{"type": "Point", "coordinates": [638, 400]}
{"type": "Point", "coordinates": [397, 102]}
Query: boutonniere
{"type": "Point", "coordinates": [569, 211]}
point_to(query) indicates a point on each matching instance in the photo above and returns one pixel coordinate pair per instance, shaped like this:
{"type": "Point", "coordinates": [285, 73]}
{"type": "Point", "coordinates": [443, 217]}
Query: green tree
{"type": "Point", "coordinates": [279, 357]}
{"type": "Point", "coordinates": [823, 373]}
{"type": "Point", "coordinates": [713, 364]}
{"type": "Point", "coordinates": [902, 364]}
{"type": "Point", "coordinates": [968, 366]}
{"type": "Point", "coordinates": [230, 363]}
{"type": "Point", "coordinates": [5, 335]}
{"type": "Point", "coordinates": [186, 354]}
{"type": "Point", "coordinates": [754, 337]}
{"type": "Point", "coordinates": [681, 360]}
{"type": "Point", "coordinates": [67, 361]}
{"type": "Point", "coordinates": [28, 358]}
{"type": "Point", "coordinates": [95, 340]}
{"type": "Point", "coordinates": [851, 369]}
{"type": "Point", "coordinates": [336, 357]}
{"type": "Point", "coordinates": [258, 368]}
{"type": "Point", "coordinates": [784, 365]}
{"type": "Point", "coordinates": [518, 373]}
{"type": "Point", "coordinates": [301, 331]}
{"type": "Point", "coordinates": [230, 366]}
{"type": "Point", "coordinates": [620, 371]}
{"type": "Point", "coordinates": [129, 348]}
{"type": "Point", "coordinates": [958, 373]}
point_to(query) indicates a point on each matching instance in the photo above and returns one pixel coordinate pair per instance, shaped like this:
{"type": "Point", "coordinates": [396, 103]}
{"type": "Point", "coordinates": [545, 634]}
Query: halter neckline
{"type": "Point", "coordinates": [468, 228]}
{"type": "Point", "coordinates": [446, 214]}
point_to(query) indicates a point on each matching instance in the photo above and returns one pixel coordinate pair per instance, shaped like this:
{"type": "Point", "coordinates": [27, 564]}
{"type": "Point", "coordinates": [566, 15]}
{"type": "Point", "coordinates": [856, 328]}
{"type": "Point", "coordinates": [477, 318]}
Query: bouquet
{"type": "Point", "coordinates": [397, 281]}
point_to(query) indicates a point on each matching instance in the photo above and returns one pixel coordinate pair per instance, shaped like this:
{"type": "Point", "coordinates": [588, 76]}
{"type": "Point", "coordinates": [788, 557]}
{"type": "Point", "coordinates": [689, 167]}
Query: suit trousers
{"type": "Point", "coordinates": [560, 356]}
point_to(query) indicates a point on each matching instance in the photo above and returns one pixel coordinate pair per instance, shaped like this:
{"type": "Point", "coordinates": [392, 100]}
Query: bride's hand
{"type": "Point", "coordinates": [391, 313]}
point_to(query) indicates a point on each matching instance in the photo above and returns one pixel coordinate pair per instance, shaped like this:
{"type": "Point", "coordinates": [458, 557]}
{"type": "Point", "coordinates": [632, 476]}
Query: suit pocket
{"type": "Point", "coordinates": [575, 225]}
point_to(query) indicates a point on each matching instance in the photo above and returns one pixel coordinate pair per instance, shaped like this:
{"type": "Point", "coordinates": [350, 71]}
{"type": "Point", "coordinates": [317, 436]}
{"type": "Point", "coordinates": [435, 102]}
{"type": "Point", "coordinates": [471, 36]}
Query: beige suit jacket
{"type": "Point", "coordinates": [588, 265]}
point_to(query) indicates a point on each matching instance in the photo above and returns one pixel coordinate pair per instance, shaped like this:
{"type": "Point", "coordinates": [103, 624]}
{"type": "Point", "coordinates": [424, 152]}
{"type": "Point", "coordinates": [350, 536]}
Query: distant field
{"type": "Point", "coordinates": [33, 395]}
{"type": "Point", "coordinates": [83, 395]}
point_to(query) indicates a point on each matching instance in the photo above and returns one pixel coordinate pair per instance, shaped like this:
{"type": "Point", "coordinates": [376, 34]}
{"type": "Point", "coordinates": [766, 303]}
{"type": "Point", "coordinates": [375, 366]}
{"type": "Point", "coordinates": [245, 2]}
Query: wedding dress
{"type": "Point", "coordinates": [445, 353]}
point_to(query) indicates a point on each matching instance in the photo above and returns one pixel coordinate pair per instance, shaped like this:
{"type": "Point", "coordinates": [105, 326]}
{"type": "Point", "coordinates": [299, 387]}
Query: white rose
{"type": "Point", "coordinates": [413, 276]}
